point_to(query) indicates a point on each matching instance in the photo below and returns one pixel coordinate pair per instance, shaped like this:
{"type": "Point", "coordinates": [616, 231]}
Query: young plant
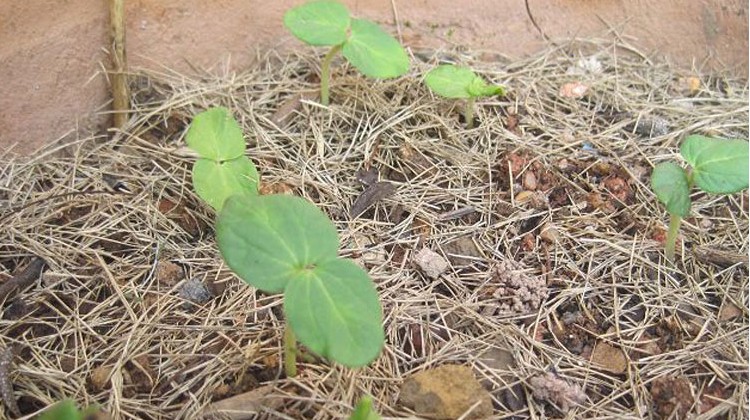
{"type": "Point", "coordinates": [457, 82]}
{"type": "Point", "coordinates": [364, 410]}
{"type": "Point", "coordinates": [370, 49]}
{"type": "Point", "coordinates": [67, 410]}
{"type": "Point", "coordinates": [223, 169]}
{"type": "Point", "coordinates": [285, 244]}
{"type": "Point", "coordinates": [719, 166]}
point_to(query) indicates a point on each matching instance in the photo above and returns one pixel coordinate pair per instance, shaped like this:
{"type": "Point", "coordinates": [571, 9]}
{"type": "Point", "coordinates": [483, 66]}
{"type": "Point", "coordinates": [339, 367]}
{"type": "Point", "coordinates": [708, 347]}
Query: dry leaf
{"type": "Point", "coordinates": [291, 104]}
{"type": "Point", "coordinates": [242, 406]}
{"type": "Point", "coordinates": [729, 311]}
{"type": "Point", "coordinates": [370, 196]}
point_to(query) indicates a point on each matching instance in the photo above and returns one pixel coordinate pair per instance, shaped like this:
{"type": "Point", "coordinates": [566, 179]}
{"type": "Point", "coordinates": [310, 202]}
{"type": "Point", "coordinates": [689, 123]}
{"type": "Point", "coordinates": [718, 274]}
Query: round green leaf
{"type": "Point", "coordinates": [374, 52]}
{"type": "Point", "coordinates": [216, 181]}
{"type": "Point", "coordinates": [334, 310]}
{"type": "Point", "coordinates": [720, 166]}
{"type": "Point", "coordinates": [319, 22]}
{"type": "Point", "coordinates": [214, 134]}
{"type": "Point", "coordinates": [669, 182]}
{"type": "Point", "coordinates": [451, 81]}
{"type": "Point", "coordinates": [267, 240]}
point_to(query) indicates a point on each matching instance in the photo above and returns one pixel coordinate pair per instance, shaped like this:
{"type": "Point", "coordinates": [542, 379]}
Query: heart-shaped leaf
{"type": "Point", "coordinates": [214, 134]}
{"type": "Point", "coordinates": [333, 308]}
{"type": "Point", "coordinates": [720, 166]}
{"type": "Point", "coordinates": [670, 184]}
{"type": "Point", "coordinates": [319, 22]}
{"type": "Point", "coordinates": [216, 181]}
{"type": "Point", "coordinates": [374, 52]}
{"type": "Point", "coordinates": [268, 240]}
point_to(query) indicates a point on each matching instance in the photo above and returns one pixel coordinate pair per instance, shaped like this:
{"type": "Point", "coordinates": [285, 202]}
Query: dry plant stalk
{"type": "Point", "coordinates": [119, 77]}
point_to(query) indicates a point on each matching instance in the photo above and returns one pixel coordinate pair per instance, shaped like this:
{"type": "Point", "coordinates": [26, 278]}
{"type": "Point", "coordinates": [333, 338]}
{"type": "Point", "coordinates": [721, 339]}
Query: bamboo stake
{"type": "Point", "coordinates": [120, 92]}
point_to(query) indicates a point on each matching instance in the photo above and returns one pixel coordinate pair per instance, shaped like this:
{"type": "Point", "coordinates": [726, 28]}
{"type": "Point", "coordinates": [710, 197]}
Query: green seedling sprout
{"type": "Point", "coordinates": [363, 43]}
{"type": "Point", "coordinates": [457, 82]}
{"type": "Point", "coordinates": [285, 244]}
{"type": "Point", "coordinates": [67, 410]}
{"type": "Point", "coordinates": [364, 410]}
{"type": "Point", "coordinates": [719, 166]}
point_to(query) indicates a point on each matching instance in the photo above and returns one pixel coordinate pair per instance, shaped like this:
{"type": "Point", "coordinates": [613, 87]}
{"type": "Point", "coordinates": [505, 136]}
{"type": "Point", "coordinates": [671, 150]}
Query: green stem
{"type": "Point", "coordinates": [469, 112]}
{"type": "Point", "coordinates": [290, 351]}
{"type": "Point", "coordinates": [674, 227]}
{"type": "Point", "coordinates": [325, 73]}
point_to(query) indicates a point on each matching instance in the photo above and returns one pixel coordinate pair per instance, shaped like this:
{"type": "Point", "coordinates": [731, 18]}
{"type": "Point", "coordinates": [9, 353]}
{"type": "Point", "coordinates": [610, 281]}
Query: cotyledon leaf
{"type": "Point", "coordinates": [720, 166]}
{"type": "Point", "coordinates": [669, 182]}
{"type": "Point", "coordinates": [319, 22]}
{"type": "Point", "coordinates": [374, 52]}
{"type": "Point", "coordinates": [214, 134]}
{"type": "Point", "coordinates": [266, 240]}
{"type": "Point", "coordinates": [216, 181]}
{"type": "Point", "coordinates": [334, 310]}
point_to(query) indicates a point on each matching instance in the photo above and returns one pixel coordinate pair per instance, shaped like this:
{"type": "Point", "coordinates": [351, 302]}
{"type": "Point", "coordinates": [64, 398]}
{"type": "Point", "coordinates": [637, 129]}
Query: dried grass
{"type": "Point", "coordinates": [102, 327]}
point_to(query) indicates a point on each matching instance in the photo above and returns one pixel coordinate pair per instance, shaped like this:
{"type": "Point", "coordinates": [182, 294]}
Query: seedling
{"type": "Point", "coordinates": [223, 169]}
{"type": "Point", "coordinates": [457, 82]}
{"type": "Point", "coordinates": [285, 244]}
{"type": "Point", "coordinates": [67, 410]}
{"type": "Point", "coordinates": [364, 410]}
{"type": "Point", "coordinates": [368, 47]}
{"type": "Point", "coordinates": [719, 166]}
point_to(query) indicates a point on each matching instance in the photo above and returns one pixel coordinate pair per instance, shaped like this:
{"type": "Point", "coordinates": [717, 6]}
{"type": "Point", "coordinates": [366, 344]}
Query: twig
{"type": "Point", "coordinates": [120, 91]}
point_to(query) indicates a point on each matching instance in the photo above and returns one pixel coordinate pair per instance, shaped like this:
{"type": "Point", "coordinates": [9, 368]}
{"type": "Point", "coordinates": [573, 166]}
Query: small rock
{"type": "Point", "coordinates": [446, 392]}
{"type": "Point", "coordinates": [168, 273]}
{"type": "Point", "coordinates": [529, 181]}
{"type": "Point", "coordinates": [462, 251]}
{"type": "Point", "coordinates": [609, 357]}
{"type": "Point", "coordinates": [649, 127]}
{"type": "Point", "coordinates": [729, 311]}
{"type": "Point", "coordinates": [431, 263]}
{"type": "Point", "coordinates": [100, 377]}
{"type": "Point", "coordinates": [573, 90]}
{"type": "Point", "coordinates": [195, 291]}
{"type": "Point", "coordinates": [549, 233]}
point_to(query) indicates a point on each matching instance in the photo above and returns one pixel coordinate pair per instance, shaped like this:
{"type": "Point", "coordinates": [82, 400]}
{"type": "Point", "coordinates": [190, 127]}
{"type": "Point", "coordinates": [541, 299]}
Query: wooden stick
{"type": "Point", "coordinates": [120, 92]}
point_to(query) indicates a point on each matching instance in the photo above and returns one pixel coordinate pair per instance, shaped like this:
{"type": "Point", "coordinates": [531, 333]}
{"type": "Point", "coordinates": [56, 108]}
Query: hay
{"type": "Point", "coordinates": [121, 230]}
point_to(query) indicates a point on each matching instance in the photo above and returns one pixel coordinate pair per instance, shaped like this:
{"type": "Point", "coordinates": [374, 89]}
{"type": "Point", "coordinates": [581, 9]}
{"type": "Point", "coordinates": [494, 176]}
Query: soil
{"type": "Point", "coordinates": [541, 217]}
{"type": "Point", "coordinates": [53, 53]}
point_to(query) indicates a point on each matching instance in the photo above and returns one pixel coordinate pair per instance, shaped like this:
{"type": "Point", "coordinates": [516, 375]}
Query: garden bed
{"type": "Point", "coordinates": [544, 212]}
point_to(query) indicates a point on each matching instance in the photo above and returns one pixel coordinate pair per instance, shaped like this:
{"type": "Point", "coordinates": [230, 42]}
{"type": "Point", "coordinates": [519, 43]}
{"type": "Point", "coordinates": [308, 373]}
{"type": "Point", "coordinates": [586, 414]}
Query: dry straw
{"type": "Point", "coordinates": [121, 230]}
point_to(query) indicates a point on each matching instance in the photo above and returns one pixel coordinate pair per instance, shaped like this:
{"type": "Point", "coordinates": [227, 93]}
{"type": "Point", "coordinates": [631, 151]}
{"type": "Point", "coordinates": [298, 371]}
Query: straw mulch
{"type": "Point", "coordinates": [543, 211]}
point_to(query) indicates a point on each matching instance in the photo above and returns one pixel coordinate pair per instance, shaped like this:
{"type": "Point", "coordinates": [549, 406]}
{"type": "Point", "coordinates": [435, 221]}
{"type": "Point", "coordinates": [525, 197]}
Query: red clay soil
{"type": "Point", "coordinates": [52, 53]}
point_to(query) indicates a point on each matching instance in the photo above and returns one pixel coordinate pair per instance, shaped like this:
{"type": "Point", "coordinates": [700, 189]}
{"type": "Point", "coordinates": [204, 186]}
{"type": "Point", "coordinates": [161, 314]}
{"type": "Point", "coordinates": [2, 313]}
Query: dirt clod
{"type": "Point", "coordinates": [431, 263]}
{"type": "Point", "coordinates": [672, 397]}
{"type": "Point", "coordinates": [446, 392]}
{"type": "Point", "coordinates": [550, 388]}
{"type": "Point", "coordinates": [515, 290]}
{"type": "Point", "coordinates": [168, 273]}
{"type": "Point", "coordinates": [609, 357]}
